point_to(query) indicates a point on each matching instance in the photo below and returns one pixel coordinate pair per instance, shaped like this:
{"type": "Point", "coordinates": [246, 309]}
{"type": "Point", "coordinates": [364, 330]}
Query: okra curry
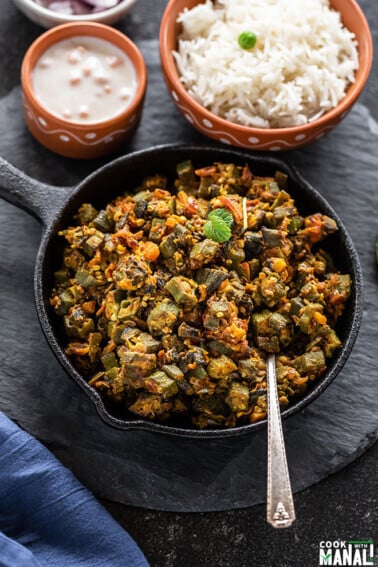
{"type": "Point", "coordinates": [171, 298]}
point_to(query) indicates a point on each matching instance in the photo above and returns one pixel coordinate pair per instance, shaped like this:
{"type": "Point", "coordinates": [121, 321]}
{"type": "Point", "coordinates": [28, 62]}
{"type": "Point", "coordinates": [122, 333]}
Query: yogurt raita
{"type": "Point", "coordinates": [84, 80]}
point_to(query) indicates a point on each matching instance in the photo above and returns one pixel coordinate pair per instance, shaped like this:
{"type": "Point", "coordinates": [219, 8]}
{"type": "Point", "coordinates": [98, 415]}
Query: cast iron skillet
{"type": "Point", "coordinates": [55, 206]}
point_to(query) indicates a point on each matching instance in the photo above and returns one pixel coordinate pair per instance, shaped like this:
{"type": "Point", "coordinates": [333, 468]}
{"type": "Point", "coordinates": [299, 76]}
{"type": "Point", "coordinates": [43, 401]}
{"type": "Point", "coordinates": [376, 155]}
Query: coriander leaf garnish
{"type": "Point", "coordinates": [218, 226]}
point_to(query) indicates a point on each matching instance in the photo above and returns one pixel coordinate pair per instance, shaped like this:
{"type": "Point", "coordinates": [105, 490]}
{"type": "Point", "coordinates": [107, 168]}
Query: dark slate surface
{"type": "Point", "coordinates": [330, 434]}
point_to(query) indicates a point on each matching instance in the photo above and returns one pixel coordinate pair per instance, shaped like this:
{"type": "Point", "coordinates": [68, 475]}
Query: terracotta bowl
{"type": "Point", "coordinates": [258, 138]}
{"type": "Point", "coordinates": [49, 18]}
{"type": "Point", "coordinates": [71, 139]}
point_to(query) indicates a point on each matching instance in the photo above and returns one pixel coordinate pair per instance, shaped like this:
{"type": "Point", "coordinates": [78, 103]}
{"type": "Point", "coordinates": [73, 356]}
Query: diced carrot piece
{"type": "Point", "coordinates": [246, 270]}
{"type": "Point", "coordinates": [320, 318]}
{"type": "Point", "coordinates": [257, 416]}
{"type": "Point", "coordinates": [150, 251]}
{"type": "Point", "coordinates": [171, 222]}
{"type": "Point", "coordinates": [89, 306]}
{"type": "Point", "coordinates": [279, 265]}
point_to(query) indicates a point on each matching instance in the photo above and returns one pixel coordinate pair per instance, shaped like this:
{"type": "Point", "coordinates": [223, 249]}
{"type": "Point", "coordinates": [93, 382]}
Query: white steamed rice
{"type": "Point", "coordinates": [301, 66]}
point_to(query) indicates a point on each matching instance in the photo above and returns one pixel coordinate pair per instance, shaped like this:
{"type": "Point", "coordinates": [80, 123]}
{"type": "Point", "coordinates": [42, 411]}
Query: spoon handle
{"type": "Point", "coordinates": [280, 505]}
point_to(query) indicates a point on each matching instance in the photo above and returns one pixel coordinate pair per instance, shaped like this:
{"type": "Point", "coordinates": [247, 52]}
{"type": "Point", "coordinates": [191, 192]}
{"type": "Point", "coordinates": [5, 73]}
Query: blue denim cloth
{"type": "Point", "coordinates": [47, 518]}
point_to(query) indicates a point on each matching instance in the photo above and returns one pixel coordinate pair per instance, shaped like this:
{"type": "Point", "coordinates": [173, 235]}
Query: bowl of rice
{"type": "Point", "coordinates": [265, 74]}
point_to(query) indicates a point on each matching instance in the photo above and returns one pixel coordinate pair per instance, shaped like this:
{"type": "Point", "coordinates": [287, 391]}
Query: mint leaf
{"type": "Point", "coordinates": [216, 229]}
{"type": "Point", "coordinates": [223, 214]}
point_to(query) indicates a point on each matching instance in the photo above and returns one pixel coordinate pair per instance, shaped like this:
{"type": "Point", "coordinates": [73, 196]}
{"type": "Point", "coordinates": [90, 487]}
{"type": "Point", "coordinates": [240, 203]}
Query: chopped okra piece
{"type": "Point", "coordinates": [295, 224]}
{"type": "Point", "coordinates": [272, 237]}
{"type": "Point", "coordinates": [185, 331]}
{"type": "Point", "coordinates": [269, 344]}
{"type": "Point", "coordinates": [157, 230]}
{"type": "Point", "coordinates": [211, 406]}
{"type": "Point", "coordinates": [234, 253]}
{"type": "Point", "coordinates": [281, 179]}
{"type": "Point", "coordinates": [310, 362]}
{"type": "Point", "coordinates": [186, 175]}
{"type": "Point", "coordinates": [216, 310]}
{"type": "Point", "coordinates": [85, 279]}
{"type": "Point", "coordinates": [212, 278]}
{"type": "Point", "coordinates": [253, 244]}
{"type": "Point", "coordinates": [296, 305]}
{"type": "Point", "coordinates": [93, 242]}
{"type": "Point", "coordinates": [327, 339]}
{"type": "Point", "coordinates": [128, 309]}
{"type": "Point", "coordinates": [140, 208]}
{"type": "Point", "coordinates": [202, 253]}
{"type": "Point", "coordinates": [221, 367]}
{"type": "Point", "coordinates": [260, 322]}
{"type": "Point", "coordinates": [94, 342]}
{"type": "Point", "coordinates": [308, 319]}
{"type": "Point", "coordinates": [109, 360]}
{"type": "Point", "coordinates": [199, 372]}
{"type": "Point", "coordinates": [168, 246]}
{"type": "Point", "coordinates": [331, 343]}
{"type": "Point", "coordinates": [150, 406]}
{"type": "Point", "coordinates": [61, 276]}
{"type": "Point", "coordinates": [338, 288]}
{"type": "Point", "coordinates": [102, 222]}
{"type": "Point", "coordinates": [182, 290]}
{"type": "Point", "coordinates": [139, 341]}
{"type": "Point", "coordinates": [173, 371]}
{"type": "Point", "coordinates": [77, 324]}
{"type": "Point", "coordinates": [66, 300]}
{"type": "Point", "coordinates": [282, 213]}
{"type": "Point", "coordinates": [272, 289]}
{"type": "Point", "coordinates": [192, 358]}
{"type": "Point", "coordinates": [162, 318]}
{"type": "Point", "coordinates": [86, 213]}
{"type": "Point", "coordinates": [160, 383]}
{"type": "Point", "coordinates": [115, 331]}
{"type": "Point", "coordinates": [238, 397]}
{"type": "Point", "coordinates": [218, 347]}
{"type": "Point", "coordinates": [112, 373]}
{"type": "Point", "coordinates": [136, 364]}
{"type": "Point", "coordinates": [250, 368]}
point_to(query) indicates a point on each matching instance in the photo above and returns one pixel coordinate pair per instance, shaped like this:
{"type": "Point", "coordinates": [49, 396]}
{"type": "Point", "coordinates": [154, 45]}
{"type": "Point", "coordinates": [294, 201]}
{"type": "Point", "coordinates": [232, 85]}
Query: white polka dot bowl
{"type": "Point", "coordinates": [74, 139]}
{"type": "Point", "coordinates": [49, 18]}
{"type": "Point", "coordinates": [258, 138]}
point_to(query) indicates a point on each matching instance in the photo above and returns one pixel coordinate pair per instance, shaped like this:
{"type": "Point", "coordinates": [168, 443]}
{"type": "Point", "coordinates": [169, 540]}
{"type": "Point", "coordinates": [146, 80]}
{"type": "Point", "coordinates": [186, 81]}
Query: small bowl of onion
{"type": "Point", "coordinates": [83, 87]}
{"type": "Point", "coordinates": [50, 13]}
{"type": "Point", "coordinates": [265, 77]}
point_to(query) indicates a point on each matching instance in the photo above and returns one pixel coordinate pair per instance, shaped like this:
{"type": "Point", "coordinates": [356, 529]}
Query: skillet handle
{"type": "Point", "coordinates": [36, 198]}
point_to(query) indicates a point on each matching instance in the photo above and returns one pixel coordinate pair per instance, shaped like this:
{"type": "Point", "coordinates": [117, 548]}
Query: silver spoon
{"type": "Point", "coordinates": [280, 511]}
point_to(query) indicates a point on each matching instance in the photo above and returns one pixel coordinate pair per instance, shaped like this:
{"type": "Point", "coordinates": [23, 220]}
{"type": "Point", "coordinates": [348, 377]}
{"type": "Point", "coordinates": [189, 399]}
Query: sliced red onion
{"type": "Point", "coordinates": [44, 3]}
{"type": "Point", "coordinates": [105, 4]}
{"type": "Point", "coordinates": [61, 7]}
{"type": "Point", "coordinates": [78, 7]}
